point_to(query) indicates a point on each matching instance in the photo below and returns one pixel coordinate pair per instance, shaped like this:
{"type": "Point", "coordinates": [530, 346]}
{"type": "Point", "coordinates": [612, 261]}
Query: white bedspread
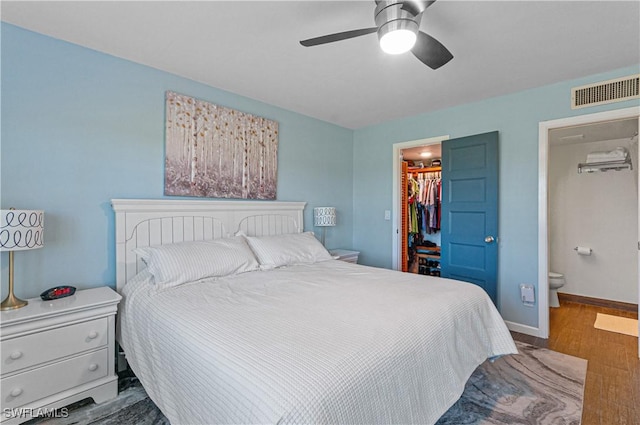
{"type": "Point", "coordinates": [327, 343]}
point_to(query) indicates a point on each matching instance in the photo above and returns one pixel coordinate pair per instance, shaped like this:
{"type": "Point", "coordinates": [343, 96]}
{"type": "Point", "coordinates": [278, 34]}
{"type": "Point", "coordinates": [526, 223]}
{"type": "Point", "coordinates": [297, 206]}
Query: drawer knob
{"type": "Point", "coordinates": [16, 392]}
{"type": "Point", "coordinates": [16, 355]}
{"type": "Point", "coordinates": [93, 367]}
{"type": "Point", "coordinates": [93, 334]}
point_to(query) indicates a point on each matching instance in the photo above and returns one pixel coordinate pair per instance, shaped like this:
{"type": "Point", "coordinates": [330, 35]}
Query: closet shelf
{"type": "Point", "coordinates": [424, 170]}
{"type": "Point", "coordinates": [434, 256]}
{"type": "Point", "coordinates": [591, 167]}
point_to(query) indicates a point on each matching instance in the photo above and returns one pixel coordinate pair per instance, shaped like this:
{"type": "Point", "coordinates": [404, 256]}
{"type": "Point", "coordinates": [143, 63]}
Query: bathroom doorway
{"type": "Point", "coordinates": [562, 143]}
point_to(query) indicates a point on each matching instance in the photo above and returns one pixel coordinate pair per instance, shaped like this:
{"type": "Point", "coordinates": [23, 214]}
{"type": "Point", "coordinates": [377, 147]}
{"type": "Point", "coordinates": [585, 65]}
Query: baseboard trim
{"type": "Point", "coordinates": [524, 329]}
{"type": "Point", "coordinates": [580, 299]}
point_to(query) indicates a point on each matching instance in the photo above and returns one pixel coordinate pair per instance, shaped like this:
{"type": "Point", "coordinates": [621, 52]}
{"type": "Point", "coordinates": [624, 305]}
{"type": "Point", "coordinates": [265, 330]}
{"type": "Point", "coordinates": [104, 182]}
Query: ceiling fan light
{"type": "Point", "coordinates": [396, 34]}
{"type": "Point", "coordinates": [397, 41]}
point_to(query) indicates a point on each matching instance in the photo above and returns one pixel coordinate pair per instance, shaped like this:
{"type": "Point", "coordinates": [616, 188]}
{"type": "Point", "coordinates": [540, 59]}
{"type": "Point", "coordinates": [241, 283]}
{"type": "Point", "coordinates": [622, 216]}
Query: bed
{"type": "Point", "coordinates": [282, 332]}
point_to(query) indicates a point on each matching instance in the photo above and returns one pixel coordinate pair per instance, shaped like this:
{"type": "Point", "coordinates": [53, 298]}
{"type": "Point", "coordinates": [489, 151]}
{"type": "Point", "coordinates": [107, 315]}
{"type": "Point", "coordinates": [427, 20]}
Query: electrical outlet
{"type": "Point", "coordinates": [527, 294]}
{"type": "Point", "coordinates": [387, 215]}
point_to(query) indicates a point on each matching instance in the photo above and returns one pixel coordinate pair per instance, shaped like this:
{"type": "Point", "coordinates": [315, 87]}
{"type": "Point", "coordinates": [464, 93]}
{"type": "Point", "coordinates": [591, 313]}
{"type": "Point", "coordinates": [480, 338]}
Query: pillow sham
{"type": "Point", "coordinates": [175, 264]}
{"type": "Point", "coordinates": [288, 249]}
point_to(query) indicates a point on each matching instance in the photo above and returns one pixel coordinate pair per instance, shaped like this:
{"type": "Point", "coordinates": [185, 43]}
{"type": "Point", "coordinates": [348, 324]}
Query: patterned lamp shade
{"type": "Point", "coordinates": [324, 216]}
{"type": "Point", "coordinates": [21, 229]}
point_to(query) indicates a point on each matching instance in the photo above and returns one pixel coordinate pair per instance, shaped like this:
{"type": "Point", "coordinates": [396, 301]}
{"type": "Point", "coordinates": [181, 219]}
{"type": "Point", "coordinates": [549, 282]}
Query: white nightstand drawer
{"type": "Point", "coordinates": [30, 350]}
{"type": "Point", "coordinates": [352, 259]}
{"type": "Point", "coordinates": [23, 388]}
{"type": "Point", "coordinates": [345, 255]}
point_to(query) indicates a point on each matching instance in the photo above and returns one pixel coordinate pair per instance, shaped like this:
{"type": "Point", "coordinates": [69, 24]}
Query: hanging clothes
{"type": "Point", "coordinates": [439, 206]}
{"type": "Point", "coordinates": [431, 194]}
{"type": "Point", "coordinates": [424, 198]}
{"type": "Point", "coordinates": [413, 223]}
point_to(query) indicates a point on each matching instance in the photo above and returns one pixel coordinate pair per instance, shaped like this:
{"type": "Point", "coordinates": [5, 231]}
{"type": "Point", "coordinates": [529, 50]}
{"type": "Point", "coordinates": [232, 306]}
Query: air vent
{"type": "Point", "coordinates": [610, 91]}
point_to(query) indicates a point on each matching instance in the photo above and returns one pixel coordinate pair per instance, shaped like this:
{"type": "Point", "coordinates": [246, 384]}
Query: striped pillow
{"type": "Point", "coordinates": [288, 249]}
{"type": "Point", "coordinates": [175, 264]}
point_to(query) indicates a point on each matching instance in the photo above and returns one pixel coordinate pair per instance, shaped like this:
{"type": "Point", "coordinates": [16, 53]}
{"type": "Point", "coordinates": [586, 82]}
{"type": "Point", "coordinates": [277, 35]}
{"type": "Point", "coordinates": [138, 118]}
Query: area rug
{"type": "Point", "coordinates": [621, 325]}
{"type": "Point", "coordinates": [538, 386]}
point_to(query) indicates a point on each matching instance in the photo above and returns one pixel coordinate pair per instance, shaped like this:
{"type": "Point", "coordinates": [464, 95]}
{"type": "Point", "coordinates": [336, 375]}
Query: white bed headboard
{"type": "Point", "coordinates": [145, 222]}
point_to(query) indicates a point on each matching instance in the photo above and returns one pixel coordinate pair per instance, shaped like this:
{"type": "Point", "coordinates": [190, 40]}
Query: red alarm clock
{"type": "Point", "coordinates": [58, 292]}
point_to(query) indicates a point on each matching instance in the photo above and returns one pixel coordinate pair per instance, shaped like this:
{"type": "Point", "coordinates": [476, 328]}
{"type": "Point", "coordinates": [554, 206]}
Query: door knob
{"type": "Point", "coordinates": [489, 239]}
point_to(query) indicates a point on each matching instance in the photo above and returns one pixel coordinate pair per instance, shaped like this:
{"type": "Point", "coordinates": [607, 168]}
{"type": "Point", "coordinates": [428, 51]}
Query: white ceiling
{"type": "Point", "coordinates": [252, 49]}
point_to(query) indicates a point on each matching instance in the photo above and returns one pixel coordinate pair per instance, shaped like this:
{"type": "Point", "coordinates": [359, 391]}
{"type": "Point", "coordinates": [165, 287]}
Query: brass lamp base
{"type": "Point", "coordinates": [12, 302]}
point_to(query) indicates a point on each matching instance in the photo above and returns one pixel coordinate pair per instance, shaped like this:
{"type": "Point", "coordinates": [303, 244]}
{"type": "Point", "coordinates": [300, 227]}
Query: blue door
{"type": "Point", "coordinates": [469, 222]}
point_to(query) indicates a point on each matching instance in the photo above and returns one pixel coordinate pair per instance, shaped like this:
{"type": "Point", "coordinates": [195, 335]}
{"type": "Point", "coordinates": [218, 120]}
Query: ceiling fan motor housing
{"type": "Point", "coordinates": [389, 16]}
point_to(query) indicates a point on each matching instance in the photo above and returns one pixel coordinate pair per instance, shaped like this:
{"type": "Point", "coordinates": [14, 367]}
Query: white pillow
{"type": "Point", "coordinates": [175, 264]}
{"type": "Point", "coordinates": [288, 249]}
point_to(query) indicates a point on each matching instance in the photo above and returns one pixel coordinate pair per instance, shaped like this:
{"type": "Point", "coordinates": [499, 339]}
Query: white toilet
{"type": "Point", "coordinates": [556, 280]}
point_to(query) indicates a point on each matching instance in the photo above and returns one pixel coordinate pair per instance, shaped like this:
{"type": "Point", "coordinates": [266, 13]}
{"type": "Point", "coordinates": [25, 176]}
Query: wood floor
{"type": "Point", "coordinates": [612, 388]}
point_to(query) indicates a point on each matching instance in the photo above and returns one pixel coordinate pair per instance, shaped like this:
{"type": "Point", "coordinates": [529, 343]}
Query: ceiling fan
{"type": "Point", "coordinates": [397, 25]}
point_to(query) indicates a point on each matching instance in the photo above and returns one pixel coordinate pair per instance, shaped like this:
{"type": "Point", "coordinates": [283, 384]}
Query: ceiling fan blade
{"type": "Point", "coordinates": [416, 7]}
{"type": "Point", "coordinates": [430, 51]}
{"type": "Point", "coordinates": [337, 37]}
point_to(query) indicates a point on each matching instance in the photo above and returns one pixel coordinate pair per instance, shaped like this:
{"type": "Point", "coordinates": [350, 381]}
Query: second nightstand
{"type": "Point", "coordinates": [345, 255]}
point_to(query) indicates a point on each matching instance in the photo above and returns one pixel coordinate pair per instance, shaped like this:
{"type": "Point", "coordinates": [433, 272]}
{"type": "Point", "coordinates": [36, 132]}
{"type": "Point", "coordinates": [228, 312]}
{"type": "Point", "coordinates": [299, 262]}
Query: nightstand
{"type": "Point", "coordinates": [345, 255]}
{"type": "Point", "coordinates": [58, 352]}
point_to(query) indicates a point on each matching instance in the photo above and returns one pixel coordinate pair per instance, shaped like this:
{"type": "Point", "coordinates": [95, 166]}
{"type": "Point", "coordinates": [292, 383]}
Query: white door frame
{"type": "Point", "coordinates": [395, 203]}
{"type": "Point", "coordinates": [543, 208]}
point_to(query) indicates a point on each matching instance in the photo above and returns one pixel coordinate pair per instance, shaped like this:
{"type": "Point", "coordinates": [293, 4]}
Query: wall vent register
{"type": "Point", "coordinates": [616, 90]}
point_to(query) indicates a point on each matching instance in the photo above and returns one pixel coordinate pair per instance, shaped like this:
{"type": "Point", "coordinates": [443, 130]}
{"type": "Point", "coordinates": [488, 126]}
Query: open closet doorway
{"type": "Point", "coordinates": [421, 209]}
{"type": "Point", "coordinates": [399, 244]}
{"type": "Point", "coordinates": [567, 153]}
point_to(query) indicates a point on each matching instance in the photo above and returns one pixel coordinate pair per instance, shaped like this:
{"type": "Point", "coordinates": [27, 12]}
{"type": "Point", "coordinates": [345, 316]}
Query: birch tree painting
{"type": "Point", "coordinates": [217, 152]}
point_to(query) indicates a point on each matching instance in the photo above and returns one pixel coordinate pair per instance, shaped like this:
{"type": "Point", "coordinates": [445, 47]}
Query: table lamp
{"type": "Point", "coordinates": [19, 230]}
{"type": "Point", "coordinates": [324, 217]}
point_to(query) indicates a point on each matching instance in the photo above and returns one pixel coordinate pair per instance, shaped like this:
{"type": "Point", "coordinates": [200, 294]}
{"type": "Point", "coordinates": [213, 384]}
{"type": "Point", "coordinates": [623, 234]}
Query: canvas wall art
{"type": "Point", "coordinates": [217, 152]}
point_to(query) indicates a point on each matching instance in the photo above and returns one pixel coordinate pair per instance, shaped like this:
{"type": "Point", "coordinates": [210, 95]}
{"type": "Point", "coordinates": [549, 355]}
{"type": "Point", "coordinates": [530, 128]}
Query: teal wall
{"type": "Point", "coordinates": [80, 128]}
{"type": "Point", "coordinates": [516, 117]}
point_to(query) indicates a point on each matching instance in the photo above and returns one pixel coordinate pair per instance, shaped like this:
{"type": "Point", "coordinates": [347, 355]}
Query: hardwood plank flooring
{"type": "Point", "coordinates": [612, 387]}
